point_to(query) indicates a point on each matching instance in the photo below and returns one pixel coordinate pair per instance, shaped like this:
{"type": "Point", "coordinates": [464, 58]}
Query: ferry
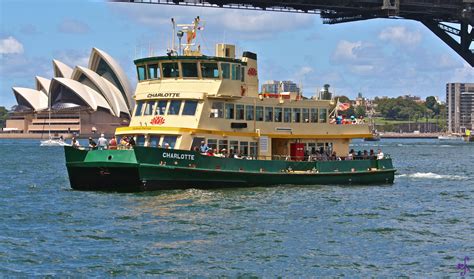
{"type": "Point", "coordinates": [200, 122]}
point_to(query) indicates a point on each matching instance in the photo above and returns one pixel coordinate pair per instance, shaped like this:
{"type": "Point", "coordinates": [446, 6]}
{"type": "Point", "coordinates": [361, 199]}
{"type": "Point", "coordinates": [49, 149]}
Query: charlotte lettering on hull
{"type": "Point", "coordinates": [163, 95]}
{"type": "Point", "coordinates": [178, 156]}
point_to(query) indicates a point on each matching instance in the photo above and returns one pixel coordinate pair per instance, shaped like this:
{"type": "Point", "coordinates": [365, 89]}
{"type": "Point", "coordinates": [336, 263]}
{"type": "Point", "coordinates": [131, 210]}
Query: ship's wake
{"type": "Point", "coordinates": [430, 175]}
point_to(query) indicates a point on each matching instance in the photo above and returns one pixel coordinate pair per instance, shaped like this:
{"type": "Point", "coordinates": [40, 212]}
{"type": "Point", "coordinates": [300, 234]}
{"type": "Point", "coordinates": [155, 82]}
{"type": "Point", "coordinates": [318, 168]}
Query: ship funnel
{"type": "Point", "coordinates": [251, 72]}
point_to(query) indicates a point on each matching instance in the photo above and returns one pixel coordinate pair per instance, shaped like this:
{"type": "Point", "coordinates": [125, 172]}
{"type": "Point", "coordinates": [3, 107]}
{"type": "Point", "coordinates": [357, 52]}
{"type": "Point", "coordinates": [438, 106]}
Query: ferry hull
{"type": "Point", "coordinates": [149, 169]}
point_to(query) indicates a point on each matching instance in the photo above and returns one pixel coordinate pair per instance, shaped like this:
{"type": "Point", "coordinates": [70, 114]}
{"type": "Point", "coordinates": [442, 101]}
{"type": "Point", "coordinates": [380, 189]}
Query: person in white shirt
{"type": "Point", "coordinates": [380, 155]}
{"type": "Point", "coordinates": [102, 142]}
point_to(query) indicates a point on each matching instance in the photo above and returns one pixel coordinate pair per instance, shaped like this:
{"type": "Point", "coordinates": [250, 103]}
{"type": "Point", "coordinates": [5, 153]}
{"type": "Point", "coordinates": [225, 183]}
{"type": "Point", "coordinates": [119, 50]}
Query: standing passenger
{"type": "Point", "coordinates": [102, 142]}
{"type": "Point", "coordinates": [113, 143]}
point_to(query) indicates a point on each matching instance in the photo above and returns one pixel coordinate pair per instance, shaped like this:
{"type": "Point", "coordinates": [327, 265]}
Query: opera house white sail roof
{"type": "Point", "coordinates": [102, 85]}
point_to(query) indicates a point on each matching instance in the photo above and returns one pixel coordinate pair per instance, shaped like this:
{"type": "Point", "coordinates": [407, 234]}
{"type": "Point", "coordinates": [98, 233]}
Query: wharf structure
{"type": "Point", "coordinates": [82, 101]}
{"type": "Point", "coordinates": [460, 107]}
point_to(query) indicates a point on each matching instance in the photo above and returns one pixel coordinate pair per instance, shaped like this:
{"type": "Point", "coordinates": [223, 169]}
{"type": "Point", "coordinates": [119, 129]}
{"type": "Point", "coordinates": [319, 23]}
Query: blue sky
{"type": "Point", "coordinates": [376, 57]}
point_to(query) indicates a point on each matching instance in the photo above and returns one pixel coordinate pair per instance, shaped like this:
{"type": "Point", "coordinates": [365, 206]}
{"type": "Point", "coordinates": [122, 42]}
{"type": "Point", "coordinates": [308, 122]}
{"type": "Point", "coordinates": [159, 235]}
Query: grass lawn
{"type": "Point", "coordinates": [382, 121]}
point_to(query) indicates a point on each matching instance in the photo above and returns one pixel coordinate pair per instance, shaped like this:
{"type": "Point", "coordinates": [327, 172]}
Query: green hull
{"type": "Point", "coordinates": [144, 169]}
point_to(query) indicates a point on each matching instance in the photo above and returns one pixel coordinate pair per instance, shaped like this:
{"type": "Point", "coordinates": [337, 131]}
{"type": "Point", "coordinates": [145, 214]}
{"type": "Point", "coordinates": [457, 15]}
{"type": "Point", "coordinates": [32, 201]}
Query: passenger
{"type": "Point", "coordinates": [237, 155]}
{"type": "Point", "coordinates": [230, 154]}
{"type": "Point", "coordinates": [380, 155]}
{"type": "Point", "coordinates": [210, 152]}
{"type": "Point", "coordinates": [113, 143]}
{"type": "Point", "coordinates": [350, 156]}
{"type": "Point", "coordinates": [196, 149]}
{"type": "Point", "coordinates": [75, 143]}
{"type": "Point", "coordinates": [167, 145]}
{"type": "Point", "coordinates": [92, 144]}
{"type": "Point", "coordinates": [333, 156]}
{"type": "Point", "coordinates": [217, 154]}
{"type": "Point", "coordinates": [61, 138]}
{"type": "Point", "coordinates": [353, 119]}
{"type": "Point", "coordinates": [372, 154]}
{"type": "Point", "coordinates": [131, 142]}
{"type": "Point", "coordinates": [123, 142]}
{"type": "Point", "coordinates": [365, 155]}
{"type": "Point", "coordinates": [102, 142]}
{"type": "Point", "coordinates": [224, 153]}
{"type": "Point", "coordinates": [203, 148]}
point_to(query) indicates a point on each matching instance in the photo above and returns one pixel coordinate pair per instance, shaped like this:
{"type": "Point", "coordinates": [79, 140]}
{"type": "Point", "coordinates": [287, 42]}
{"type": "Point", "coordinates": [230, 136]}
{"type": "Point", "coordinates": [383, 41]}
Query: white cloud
{"type": "Point", "coordinates": [10, 46]}
{"type": "Point", "coordinates": [463, 74]}
{"type": "Point", "coordinates": [232, 23]}
{"type": "Point", "coordinates": [400, 35]}
{"type": "Point", "coordinates": [346, 50]}
{"type": "Point", "coordinates": [73, 58]}
{"type": "Point", "coordinates": [73, 26]}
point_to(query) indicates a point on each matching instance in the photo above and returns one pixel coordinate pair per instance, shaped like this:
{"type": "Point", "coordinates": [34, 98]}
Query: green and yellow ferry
{"type": "Point", "coordinates": [201, 122]}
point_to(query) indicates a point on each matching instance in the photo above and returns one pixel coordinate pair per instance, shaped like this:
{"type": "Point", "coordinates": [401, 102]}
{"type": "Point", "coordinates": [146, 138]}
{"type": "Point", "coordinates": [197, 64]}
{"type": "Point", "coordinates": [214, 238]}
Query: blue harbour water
{"type": "Point", "coordinates": [421, 226]}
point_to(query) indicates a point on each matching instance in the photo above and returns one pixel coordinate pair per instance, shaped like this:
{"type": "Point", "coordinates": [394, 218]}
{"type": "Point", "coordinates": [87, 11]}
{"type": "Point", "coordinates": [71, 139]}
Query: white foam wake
{"type": "Point", "coordinates": [430, 175]}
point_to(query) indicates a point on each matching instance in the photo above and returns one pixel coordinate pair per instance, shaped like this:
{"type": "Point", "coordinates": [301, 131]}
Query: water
{"type": "Point", "coordinates": [421, 226]}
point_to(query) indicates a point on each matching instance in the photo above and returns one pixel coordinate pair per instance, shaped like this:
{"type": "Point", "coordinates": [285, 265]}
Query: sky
{"type": "Point", "coordinates": [381, 57]}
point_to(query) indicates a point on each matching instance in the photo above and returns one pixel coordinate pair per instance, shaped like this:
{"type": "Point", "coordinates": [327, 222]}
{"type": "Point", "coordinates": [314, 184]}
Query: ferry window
{"type": "Point", "coordinates": [175, 106]}
{"type": "Point", "coordinates": [161, 108]}
{"type": "Point", "coordinates": [278, 114]}
{"type": "Point", "coordinates": [287, 115]}
{"type": "Point", "coordinates": [234, 73]}
{"type": "Point", "coordinates": [225, 70]}
{"type": "Point", "coordinates": [229, 111]}
{"type": "Point", "coordinates": [212, 143]}
{"type": "Point", "coordinates": [253, 150]}
{"type": "Point", "coordinates": [322, 115]}
{"type": "Point", "coordinates": [249, 112]}
{"type": "Point", "coordinates": [234, 146]}
{"type": "Point", "coordinates": [259, 113]}
{"type": "Point", "coordinates": [217, 110]}
{"type": "Point", "coordinates": [223, 144]}
{"type": "Point", "coordinates": [190, 70]}
{"type": "Point", "coordinates": [139, 108]}
{"type": "Point", "coordinates": [296, 115]}
{"type": "Point", "coordinates": [244, 148]}
{"type": "Point", "coordinates": [154, 141]}
{"type": "Point", "coordinates": [305, 115]}
{"type": "Point", "coordinates": [242, 74]}
{"type": "Point", "coordinates": [268, 114]}
{"type": "Point", "coordinates": [239, 112]}
{"type": "Point", "coordinates": [314, 115]}
{"type": "Point", "coordinates": [140, 140]}
{"type": "Point", "coordinates": [170, 70]}
{"type": "Point", "coordinates": [238, 71]}
{"type": "Point", "coordinates": [171, 140]}
{"type": "Point", "coordinates": [149, 108]}
{"type": "Point", "coordinates": [153, 71]}
{"type": "Point", "coordinates": [209, 70]}
{"type": "Point", "coordinates": [190, 107]}
{"type": "Point", "coordinates": [141, 72]}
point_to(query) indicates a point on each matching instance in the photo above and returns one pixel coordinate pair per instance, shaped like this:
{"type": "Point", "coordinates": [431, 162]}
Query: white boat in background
{"type": "Point", "coordinates": [54, 142]}
{"type": "Point", "coordinates": [451, 137]}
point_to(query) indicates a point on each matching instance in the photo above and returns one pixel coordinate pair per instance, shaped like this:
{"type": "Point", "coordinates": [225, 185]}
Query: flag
{"type": "Point", "coordinates": [342, 106]}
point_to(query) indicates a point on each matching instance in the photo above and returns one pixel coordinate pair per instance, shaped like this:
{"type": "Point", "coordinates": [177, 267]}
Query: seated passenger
{"type": "Point", "coordinates": [203, 148]}
{"type": "Point", "coordinates": [210, 152]}
{"type": "Point", "coordinates": [167, 145]}
{"type": "Point", "coordinates": [237, 155]}
{"type": "Point", "coordinates": [75, 143]}
{"type": "Point", "coordinates": [365, 155]}
{"type": "Point", "coordinates": [372, 154]}
{"type": "Point", "coordinates": [350, 156]}
{"type": "Point", "coordinates": [131, 141]}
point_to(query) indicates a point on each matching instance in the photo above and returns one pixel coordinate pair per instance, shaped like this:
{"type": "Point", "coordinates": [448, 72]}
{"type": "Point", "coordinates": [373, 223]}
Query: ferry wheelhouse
{"type": "Point", "coordinates": [186, 99]}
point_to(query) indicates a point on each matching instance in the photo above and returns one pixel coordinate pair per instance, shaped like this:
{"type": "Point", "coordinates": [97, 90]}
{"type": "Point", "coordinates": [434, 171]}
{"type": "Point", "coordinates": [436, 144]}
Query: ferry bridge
{"type": "Point", "coordinates": [451, 20]}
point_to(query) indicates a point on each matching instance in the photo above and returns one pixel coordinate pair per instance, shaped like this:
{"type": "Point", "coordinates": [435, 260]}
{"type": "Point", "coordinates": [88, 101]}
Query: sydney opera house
{"type": "Point", "coordinates": [82, 101]}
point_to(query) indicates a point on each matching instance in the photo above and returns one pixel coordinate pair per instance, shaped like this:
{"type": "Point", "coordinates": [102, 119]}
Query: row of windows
{"type": "Point", "coordinates": [165, 107]}
{"type": "Point", "coordinates": [268, 114]}
{"type": "Point", "coordinates": [156, 141]}
{"type": "Point", "coordinates": [243, 148]}
{"type": "Point", "coordinates": [211, 70]}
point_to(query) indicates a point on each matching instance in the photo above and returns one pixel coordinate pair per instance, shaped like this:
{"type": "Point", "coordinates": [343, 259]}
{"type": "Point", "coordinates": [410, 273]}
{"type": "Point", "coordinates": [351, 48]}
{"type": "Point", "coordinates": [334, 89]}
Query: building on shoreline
{"type": "Point", "coordinates": [460, 107]}
{"type": "Point", "coordinates": [83, 101]}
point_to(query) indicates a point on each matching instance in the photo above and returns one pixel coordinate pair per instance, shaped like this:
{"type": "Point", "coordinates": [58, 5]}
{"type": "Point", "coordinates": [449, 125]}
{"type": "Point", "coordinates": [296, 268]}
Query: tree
{"type": "Point", "coordinates": [3, 117]}
{"type": "Point", "coordinates": [360, 111]}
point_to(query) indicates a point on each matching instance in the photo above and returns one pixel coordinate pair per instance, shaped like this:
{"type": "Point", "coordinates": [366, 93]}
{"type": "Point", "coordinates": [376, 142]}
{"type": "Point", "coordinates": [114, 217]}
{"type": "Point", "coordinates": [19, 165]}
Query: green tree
{"type": "Point", "coordinates": [360, 111]}
{"type": "Point", "coordinates": [3, 117]}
